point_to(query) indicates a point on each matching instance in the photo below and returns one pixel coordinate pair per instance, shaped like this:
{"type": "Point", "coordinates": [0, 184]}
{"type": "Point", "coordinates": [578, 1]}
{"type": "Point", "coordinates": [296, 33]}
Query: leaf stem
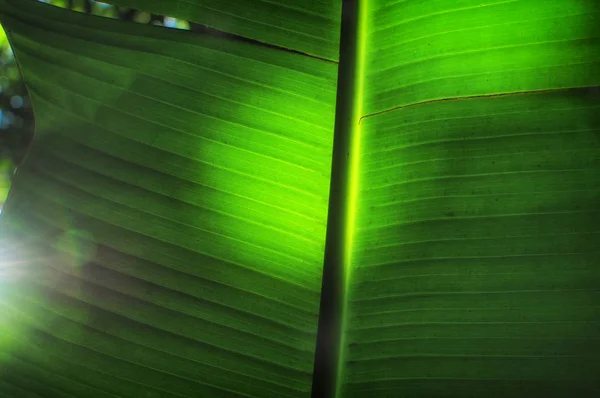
{"type": "Point", "coordinates": [329, 354]}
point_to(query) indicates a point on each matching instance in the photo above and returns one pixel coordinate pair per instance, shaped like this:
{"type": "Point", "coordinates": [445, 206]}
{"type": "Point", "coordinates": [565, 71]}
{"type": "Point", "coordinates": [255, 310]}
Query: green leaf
{"type": "Point", "coordinates": [166, 235]}
{"type": "Point", "coordinates": [475, 256]}
{"type": "Point", "coordinates": [311, 27]}
{"type": "Point", "coordinates": [182, 180]}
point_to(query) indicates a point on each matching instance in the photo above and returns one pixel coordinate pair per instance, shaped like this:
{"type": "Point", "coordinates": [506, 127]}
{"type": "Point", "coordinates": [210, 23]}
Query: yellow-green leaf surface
{"type": "Point", "coordinates": [308, 26]}
{"type": "Point", "coordinates": [165, 235]}
{"type": "Point", "coordinates": [177, 187]}
{"type": "Point", "coordinates": [476, 260]}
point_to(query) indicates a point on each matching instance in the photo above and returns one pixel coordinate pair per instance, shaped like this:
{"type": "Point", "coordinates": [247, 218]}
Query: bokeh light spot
{"type": "Point", "coordinates": [16, 101]}
{"type": "Point", "coordinates": [142, 17]}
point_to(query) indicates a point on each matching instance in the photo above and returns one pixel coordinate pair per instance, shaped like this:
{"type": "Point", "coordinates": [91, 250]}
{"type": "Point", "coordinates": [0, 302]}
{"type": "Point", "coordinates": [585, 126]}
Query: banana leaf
{"type": "Point", "coordinates": [353, 198]}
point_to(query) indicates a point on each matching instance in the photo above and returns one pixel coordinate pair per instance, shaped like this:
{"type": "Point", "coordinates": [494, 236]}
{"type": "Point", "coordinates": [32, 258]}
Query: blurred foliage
{"type": "Point", "coordinates": [16, 114]}
{"type": "Point", "coordinates": [16, 117]}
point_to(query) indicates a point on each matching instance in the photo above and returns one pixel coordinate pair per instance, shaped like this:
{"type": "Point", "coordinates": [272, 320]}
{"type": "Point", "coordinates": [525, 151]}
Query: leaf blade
{"type": "Point", "coordinates": [177, 230]}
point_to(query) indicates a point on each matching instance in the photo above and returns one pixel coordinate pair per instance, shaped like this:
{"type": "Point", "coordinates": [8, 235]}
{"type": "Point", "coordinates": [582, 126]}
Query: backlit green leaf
{"type": "Point", "coordinates": [165, 236]}
{"type": "Point", "coordinates": [180, 183]}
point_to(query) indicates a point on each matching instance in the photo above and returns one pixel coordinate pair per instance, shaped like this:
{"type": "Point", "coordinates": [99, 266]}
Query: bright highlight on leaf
{"type": "Point", "coordinates": [168, 226]}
